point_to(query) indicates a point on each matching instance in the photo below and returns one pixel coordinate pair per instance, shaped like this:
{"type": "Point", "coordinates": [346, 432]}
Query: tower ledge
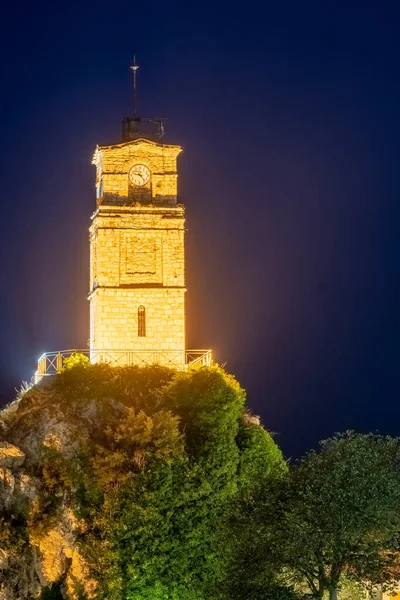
{"type": "Point", "coordinates": [51, 363]}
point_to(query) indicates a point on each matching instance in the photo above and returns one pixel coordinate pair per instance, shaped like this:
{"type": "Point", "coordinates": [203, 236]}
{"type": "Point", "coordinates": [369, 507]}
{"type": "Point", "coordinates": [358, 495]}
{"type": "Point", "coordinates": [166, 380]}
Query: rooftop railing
{"type": "Point", "coordinates": [51, 363]}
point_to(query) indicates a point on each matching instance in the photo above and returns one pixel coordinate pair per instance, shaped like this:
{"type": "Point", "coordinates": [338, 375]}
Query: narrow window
{"type": "Point", "coordinates": [100, 189]}
{"type": "Point", "coordinates": [141, 321]}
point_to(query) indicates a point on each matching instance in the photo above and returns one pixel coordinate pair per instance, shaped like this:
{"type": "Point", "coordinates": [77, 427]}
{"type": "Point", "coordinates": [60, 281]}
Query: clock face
{"type": "Point", "coordinates": [139, 175]}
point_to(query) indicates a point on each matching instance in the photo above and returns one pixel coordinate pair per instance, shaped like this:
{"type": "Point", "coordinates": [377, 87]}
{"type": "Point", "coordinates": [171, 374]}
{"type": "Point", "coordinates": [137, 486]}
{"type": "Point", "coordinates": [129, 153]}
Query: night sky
{"type": "Point", "coordinates": [289, 121]}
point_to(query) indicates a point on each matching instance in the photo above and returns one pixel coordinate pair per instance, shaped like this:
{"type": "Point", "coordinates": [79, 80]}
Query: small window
{"type": "Point", "coordinates": [141, 321]}
{"type": "Point", "coordinates": [100, 189]}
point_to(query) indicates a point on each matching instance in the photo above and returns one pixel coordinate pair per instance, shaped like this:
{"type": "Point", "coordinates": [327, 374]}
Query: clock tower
{"type": "Point", "coordinates": [137, 269]}
{"type": "Point", "coordinates": [137, 263]}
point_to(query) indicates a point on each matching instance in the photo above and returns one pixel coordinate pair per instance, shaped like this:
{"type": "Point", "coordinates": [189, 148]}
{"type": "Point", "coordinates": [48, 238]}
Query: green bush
{"type": "Point", "coordinates": [160, 463]}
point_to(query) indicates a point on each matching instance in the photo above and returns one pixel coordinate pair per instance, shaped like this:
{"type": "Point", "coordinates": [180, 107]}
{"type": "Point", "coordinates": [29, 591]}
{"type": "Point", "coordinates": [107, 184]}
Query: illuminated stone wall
{"type": "Point", "coordinates": [112, 172]}
{"type": "Point", "coordinates": [137, 253]}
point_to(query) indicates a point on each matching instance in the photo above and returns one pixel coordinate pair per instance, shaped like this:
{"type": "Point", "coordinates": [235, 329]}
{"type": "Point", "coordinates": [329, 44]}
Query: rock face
{"type": "Point", "coordinates": [10, 456]}
{"type": "Point", "coordinates": [17, 574]}
{"type": "Point", "coordinates": [59, 557]}
{"type": "Point", "coordinates": [100, 468]}
{"type": "Point", "coordinates": [35, 555]}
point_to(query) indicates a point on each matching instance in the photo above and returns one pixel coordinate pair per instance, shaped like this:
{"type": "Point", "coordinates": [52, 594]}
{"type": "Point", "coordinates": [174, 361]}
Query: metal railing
{"type": "Point", "coordinates": [51, 363]}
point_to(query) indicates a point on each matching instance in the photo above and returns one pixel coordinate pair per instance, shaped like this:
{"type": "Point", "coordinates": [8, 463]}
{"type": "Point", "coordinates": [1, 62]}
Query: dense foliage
{"type": "Point", "coordinates": [145, 483]}
{"type": "Point", "coordinates": [334, 519]}
{"type": "Point", "coordinates": [152, 463]}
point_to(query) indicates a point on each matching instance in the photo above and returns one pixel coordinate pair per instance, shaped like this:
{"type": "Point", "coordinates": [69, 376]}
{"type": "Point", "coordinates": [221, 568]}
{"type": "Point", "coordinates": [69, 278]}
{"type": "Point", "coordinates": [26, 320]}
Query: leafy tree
{"type": "Point", "coordinates": [74, 360]}
{"type": "Point", "coordinates": [154, 464]}
{"type": "Point", "coordinates": [160, 475]}
{"type": "Point", "coordinates": [260, 460]}
{"type": "Point", "coordinates": [350, 588]}
{"type": "Point", "coordinates": [337, 514]}
{"type": "Point", "coordinates": [260, 464]}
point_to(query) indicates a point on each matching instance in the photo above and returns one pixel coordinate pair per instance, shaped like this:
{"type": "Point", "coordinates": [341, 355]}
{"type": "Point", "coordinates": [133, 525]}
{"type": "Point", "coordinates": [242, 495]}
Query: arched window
{"type": "Point", "coordinates": [141, 321]}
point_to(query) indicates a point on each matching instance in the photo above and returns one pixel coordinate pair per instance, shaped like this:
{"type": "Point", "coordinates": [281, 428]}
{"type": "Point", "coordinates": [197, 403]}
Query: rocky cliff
{"type": "Point", "coordinates": [114, 482]}
{"type": "Point", "coordinates": [36, 552]}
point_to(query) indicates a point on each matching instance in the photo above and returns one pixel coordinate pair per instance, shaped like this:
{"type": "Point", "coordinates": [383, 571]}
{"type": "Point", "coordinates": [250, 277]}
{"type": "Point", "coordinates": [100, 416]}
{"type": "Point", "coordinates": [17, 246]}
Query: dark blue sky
{"type": "Point", "coordinates": [289, 120]}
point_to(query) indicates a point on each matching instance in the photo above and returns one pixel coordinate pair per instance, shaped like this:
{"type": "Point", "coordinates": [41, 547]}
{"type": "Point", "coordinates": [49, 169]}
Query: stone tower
{"type": "Point", "coordinates": [137, 263]}
{"type": "Point", "coordinates": [137, 269]}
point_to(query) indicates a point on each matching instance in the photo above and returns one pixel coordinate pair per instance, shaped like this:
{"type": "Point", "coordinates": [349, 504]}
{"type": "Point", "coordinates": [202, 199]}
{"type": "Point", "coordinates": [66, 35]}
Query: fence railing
{"type": "Point", "coordinates": [51, 363]}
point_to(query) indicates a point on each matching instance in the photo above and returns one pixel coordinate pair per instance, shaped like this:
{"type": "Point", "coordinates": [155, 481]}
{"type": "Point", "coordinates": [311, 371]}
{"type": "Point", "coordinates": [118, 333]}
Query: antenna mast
{"type": "Point", "coordinates": [135, 127]}
{"type": "Point", "coordinates": [134, 68]}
